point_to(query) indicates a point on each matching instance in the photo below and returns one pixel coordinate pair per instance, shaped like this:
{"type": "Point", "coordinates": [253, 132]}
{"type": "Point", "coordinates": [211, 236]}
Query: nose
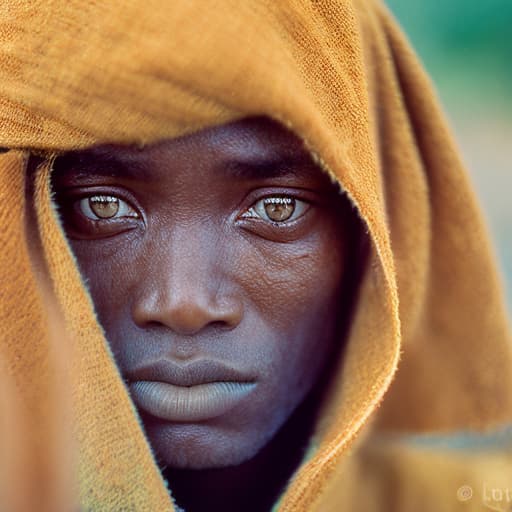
{"type": "Point", "coordinates": [187, 289]}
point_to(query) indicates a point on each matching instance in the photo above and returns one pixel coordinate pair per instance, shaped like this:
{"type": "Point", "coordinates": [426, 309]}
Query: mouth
{"type": "Point", "coordinates": [194, 403]}
{"type": "Point", "coordinates": [196, 391]}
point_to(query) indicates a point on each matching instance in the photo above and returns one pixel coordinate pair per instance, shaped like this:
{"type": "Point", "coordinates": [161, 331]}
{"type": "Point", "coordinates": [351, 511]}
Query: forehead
{"type": "Point", "coordinates": [249, 148]}
{"type": "Point", "coordinates": [258, 136]}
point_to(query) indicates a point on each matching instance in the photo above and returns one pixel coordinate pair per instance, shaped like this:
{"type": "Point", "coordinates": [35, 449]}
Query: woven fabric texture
{"type": "Point", "coordinates": [429, 348]}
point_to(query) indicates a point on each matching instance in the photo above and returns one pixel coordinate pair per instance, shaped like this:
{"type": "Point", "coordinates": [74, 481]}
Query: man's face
{"type": "Point", "coordinates": [215, 264]}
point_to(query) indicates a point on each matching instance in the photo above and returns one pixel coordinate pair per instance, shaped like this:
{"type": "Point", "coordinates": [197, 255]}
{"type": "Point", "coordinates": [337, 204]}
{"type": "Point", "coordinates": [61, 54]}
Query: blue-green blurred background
{"type": "Point", "coordinates": [466, 46]}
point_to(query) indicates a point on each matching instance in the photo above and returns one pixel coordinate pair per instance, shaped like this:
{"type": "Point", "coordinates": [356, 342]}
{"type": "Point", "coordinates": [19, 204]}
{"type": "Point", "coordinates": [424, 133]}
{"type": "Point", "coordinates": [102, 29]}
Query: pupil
{"type": "Point", "coordinates": [280, 211]}
{"type": "Point", "coordinates": [106, 208]}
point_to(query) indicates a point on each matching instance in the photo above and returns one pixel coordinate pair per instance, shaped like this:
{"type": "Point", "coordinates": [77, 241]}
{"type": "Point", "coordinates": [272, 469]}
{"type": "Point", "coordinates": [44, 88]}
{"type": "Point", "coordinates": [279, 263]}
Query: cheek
{"type": "Point", "coordinates": [291, 284]}
{"type": "Point", "coordinates": [296, 296]}
{"type": "Point", "coordinates": [109, 276]}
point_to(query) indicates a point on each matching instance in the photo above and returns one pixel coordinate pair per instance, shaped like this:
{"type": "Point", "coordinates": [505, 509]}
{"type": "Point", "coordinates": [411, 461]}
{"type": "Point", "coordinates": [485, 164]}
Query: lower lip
{"type": "Point", "coordinates": [194, 403]}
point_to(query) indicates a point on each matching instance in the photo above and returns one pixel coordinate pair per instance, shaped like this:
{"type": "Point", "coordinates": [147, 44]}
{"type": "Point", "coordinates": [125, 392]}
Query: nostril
{"type": "Point", "coordinates": [186, 305]}
{"type": "Point", "coordinates": [152, 324]}
{"type": "Point", "coordinates": [186, 317]}
{"type": "Point", "coordinates": [216, 326]}
{"type": "Point", "coordinates": [221, 325]}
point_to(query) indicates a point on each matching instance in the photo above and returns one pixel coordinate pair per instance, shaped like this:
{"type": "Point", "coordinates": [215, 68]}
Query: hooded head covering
{"type": "Point", "coordinates": [429, 347]}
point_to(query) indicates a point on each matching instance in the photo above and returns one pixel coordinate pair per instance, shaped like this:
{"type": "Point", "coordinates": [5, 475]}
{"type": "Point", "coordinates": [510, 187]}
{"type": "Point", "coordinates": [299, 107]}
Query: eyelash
{"type": "Point", "coordinates": [81, 222]}
{"type": "Point", "coordinates": [125, 208]}
{"type": "Point", "coordinates": [257, 210]}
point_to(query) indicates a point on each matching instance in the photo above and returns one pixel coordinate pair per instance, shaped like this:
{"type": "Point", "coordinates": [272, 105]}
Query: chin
{"type": "Point", "coordinates": [201, 446]}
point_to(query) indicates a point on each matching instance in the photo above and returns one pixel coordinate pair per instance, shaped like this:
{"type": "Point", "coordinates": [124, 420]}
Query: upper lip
{"type": "Point", "coordinates": [193, 373]}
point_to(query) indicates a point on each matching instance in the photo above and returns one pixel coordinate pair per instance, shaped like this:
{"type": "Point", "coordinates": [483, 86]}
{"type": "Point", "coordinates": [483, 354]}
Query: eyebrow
{"type": "Point", "coordinates": [273, 166]}
{"type": "Point", "coordinates": [102, 162]}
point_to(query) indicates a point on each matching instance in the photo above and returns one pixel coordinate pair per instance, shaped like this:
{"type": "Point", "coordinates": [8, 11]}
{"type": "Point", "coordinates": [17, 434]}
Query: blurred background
{"type": "Point", "coordinates": [466, 46]}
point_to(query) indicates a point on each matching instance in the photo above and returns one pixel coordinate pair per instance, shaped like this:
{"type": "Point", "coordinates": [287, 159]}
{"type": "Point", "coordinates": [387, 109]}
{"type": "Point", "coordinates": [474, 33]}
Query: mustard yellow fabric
{"type": "Point", "coordinates": [429, 351]}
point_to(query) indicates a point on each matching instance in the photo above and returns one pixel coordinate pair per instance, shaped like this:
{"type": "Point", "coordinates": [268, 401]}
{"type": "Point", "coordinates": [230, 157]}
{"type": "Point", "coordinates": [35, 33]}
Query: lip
{"type": "Point", "coordinates": [194, 403]}
{"type": "Point", "coordinates": [197, 390]}
{"type": "Point", "coordinates": [191, 373]}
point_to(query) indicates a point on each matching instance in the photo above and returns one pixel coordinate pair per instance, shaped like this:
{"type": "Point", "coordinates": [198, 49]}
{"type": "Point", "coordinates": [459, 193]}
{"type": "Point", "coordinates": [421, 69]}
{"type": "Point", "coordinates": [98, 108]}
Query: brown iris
{"type": "Point", "coordinates": [279, 209]}
{"type": "Point", "coordinates": [104, 207]}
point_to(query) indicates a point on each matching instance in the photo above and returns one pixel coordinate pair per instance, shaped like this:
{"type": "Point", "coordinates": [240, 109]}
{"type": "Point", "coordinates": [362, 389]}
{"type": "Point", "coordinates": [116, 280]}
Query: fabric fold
{"type": "Point", "coordinates": [429, 349]}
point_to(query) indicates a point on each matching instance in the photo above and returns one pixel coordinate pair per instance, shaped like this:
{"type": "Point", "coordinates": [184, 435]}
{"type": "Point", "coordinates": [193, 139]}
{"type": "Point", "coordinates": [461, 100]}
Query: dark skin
{"type": "Point", "coordinates": [227, 245]}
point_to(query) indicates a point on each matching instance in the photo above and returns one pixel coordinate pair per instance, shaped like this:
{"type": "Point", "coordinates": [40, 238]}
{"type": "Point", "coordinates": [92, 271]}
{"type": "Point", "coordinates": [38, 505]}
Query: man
{"type": "Point", "coordinates": [221, 267]}
{"type": "Point", "coordinates": [201, 288]}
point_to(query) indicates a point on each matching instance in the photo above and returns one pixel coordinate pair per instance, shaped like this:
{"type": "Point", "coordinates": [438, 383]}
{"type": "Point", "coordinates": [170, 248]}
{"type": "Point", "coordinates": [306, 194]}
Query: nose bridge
{"type": "Point", "coordinates": [188, 288]}
{"type": "Point", "coordinates": [191, 263]}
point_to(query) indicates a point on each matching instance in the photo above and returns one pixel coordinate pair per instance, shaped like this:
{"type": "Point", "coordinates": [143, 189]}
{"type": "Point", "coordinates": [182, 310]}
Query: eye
{"type": "Point", "coordinates": [103, 207]}
{"type": "Point", "coordinates": [277, 209]}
